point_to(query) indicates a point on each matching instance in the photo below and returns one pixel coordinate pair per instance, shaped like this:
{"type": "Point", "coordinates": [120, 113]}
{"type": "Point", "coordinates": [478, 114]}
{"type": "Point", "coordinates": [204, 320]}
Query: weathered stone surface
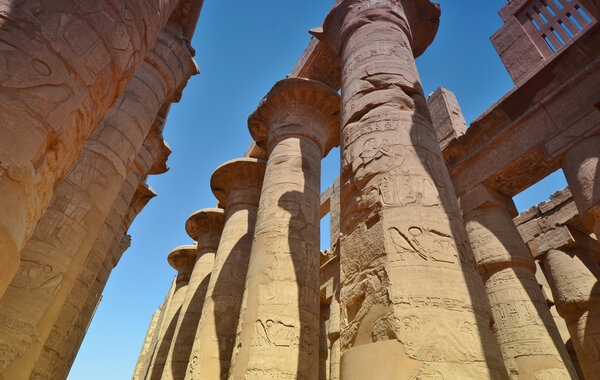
{"type": "Point", "coordinates": [181, 259]}
{"type": "Point", "coordinates": [528, 337]}
{"type": "Point", "coordinates": [57, 356]}
{"type": "Point", "coordinates": [446, 116]}
{"type": "Point", "coordinates": [577, 296]}
{"type": "Point", "coordinates": [205, 226]}
{"type": "Point", "coordinates": [402, 229]}
{"type": "Point", "coordinates": [581, 166]}
{"type": "Point", "coordinates": [82, 202]}
{"type": "Point", "coordinates": [237, 185]}
{"type": "Point", "coordinates": [68, 63]}
{"type": "Point", "coordinates": [297, 123]}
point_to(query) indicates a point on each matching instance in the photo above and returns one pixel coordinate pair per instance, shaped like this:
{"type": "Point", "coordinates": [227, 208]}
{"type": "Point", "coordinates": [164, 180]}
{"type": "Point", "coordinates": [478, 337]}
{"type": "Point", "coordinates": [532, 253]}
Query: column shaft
{"type": "Point", "coordinates": [412, 300]}
{"type": "Point", "coordinates": [81, 203]}
{"type": "Point", "coordinates": [581, 166]}
{"type": "Point", "coordinates": [206, 230]}
{"type": "Point", "coordinates": [68, 61]}
{"type": "Point", "coordinates": [184, 260]}
{"type": "Point", "coordinates": [576, 292]}
{"type": "Point", "coordinates": [236, 185]}
{"type": "Point", "coordinates": [280, 321]}
{"type": "Point", "coordinates": [529, 339]}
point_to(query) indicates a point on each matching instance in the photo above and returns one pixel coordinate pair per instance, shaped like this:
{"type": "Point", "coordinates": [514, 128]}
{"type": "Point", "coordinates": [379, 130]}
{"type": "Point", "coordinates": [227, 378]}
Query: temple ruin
{"type": "Point", "coordinates": [431, 274]}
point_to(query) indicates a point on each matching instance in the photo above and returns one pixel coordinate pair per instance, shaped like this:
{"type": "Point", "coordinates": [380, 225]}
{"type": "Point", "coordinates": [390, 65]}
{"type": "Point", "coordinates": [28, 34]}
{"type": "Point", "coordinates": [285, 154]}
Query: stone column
{"type": "Point", "coordinates": [581, 165]}
{"type": "Point", "coordinates": [529, 339]}
{"type": "Point", "coordinates": [411, 298]}
{"type": "Point", "coordinates": [237, 185]}
{"type": "Point", "coordinates": [278, 334]}
{"type": "Point", "coordinates": [68, 62]}
{"type": "Point", "coordinates": [69, 329]}
{"type": "Point", "coordinates": [81, 203]}
{"type": "Point", "coordinates": [146, 346]}
{"type": "Point", "coordinates": [570, 271]}
{"type": "Point", "coordinates": [143, 374]}
{"type": "Point", "coordinates": [205, 226]}
{"type": "Point", "coordinates": [182, 259]}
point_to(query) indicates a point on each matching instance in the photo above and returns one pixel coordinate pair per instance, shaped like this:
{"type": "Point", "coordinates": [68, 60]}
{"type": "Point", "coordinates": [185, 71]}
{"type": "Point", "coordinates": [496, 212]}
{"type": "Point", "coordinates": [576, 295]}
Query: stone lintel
{"type": "Point", "coordinates": [557, 238]}
{"type": "Point", "coordinates": [521, 138]}
{"type": "Point", "coordinates": [273, 118]}
{"type": "Point", "coordinates": [318, 62]}
{"type": "Point", "coordinates": [239, 174]}
{"type": "Point", "coordinates": [483, 196]}
{"type": "Point", "coordinates": [330, 278]}
{"type": "Point", "coordinates": [205, 226]}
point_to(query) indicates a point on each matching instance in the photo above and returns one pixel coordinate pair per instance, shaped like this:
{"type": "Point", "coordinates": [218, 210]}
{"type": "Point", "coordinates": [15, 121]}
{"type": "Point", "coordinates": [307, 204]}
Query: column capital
{"type": "Point", "coordinates": [420, 18]}
{"type": "Point", "coordinates": [238, 181]}
{"type": "Point", "coordinates": [205, 227]}
{"type": "Point", "coordinates": [482, 196]}
{"type": "Point", "coordinates": [182, 259]}
{"type": "Point", "coordinates": [299, 107]}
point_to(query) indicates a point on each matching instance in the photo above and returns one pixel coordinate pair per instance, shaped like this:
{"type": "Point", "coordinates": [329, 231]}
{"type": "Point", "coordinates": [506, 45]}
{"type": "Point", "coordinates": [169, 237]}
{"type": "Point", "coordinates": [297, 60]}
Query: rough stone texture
{"type": "Point", "coordinates": [69, 61]}
{"type": "Point", "coordinates": [297, 123]}
{"type": "Point", "coordinates": [413, 304]}
{"type": "Point", "coordinates": [446, 116]}
{"type": "Point", "coordinates": [57, 250]}
{"type": "Point", "coordinates": [577, 296]}
{"type": "Point", "coordinates": [182, 259]}
{"type": "Point", "coordinates": [237, 185]}
{"type": "Point", "coordinates": [581, 166]}
{"type": "Point", "coordinates": [528, 337]}
{"type": "Point", "coordinates": [154, 341]}
{"type": "Point", "coordinates": [57, 356]}
{"type": "Point", "coordinates": [330, 311]}
{"type": "Point", "coordinates": [147, 345]}
{"type": "Point", "coordinates": [205, 226]}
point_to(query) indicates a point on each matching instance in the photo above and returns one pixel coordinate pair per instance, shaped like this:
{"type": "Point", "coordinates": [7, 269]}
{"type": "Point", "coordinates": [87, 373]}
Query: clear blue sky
{"type": "Point", "coordinates": [243, 48]}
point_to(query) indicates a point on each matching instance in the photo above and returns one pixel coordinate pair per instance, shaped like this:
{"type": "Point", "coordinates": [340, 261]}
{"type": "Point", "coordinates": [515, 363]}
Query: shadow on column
{"type": "Point", "coordinates": [438, 172]}
{"type": "Point", "coordinates": [163, 348]}
{"type": "Point", "coordinates": [189, 324]}
{"type": "Point", "coordinates": [305, 258]}
{"type": "Point", "coordinates": [227, 314]}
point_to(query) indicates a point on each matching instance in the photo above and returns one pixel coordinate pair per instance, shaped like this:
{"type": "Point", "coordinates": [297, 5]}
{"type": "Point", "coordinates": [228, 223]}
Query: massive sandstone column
{"type": "Point", "coordinates": [572, 273]}
{"type": "Point", "coordinates": [56, 252]}
{"type": "Point", "coordinates": [182, 259]}
{"type": "Point", "coordinates": [205, 226]}
{"type": "Point", "coordinates": [413, 304]}
{"type": "Point", "coordinates": [237, 185]}
{"type": "Point", "coordinates": [144, 368]}
{"type": "Point", "coordinates": [278, 334]}
{"type": "Point", "coordinates": [69, 329]}
{"type": "Point", "coordinates": [529, 339]}
{"type": "Point", "coordinates": [64, 64]}
{"type": "Point", "coordinates": [581, 165]}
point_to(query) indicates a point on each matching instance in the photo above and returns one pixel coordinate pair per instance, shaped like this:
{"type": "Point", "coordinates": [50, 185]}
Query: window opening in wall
{"type": "Point", "coordinates": [551, 24]}
{"type": "Point", "coordinates": [540, 191]}
{"type": "Point", "coordinates": [325, 236]}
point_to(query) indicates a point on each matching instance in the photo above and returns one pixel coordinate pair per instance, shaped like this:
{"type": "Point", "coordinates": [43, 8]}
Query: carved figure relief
{"type": "Point", "coordinates": [422, 244]}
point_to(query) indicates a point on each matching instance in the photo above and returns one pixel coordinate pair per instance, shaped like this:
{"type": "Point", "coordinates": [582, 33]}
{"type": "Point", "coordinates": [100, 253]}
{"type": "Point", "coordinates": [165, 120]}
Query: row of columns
{"type": "Point", "coordinates": [79, 239]}
{"type": "Point", "coordinates": [429, 286]}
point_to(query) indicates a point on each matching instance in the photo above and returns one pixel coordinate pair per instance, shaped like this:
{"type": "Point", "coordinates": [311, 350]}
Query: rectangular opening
{"type": "Point", "coordinates": [558, 4]}
{"type": "Point", "coordinates": [550, 10]}
{"type": "Point", "coordinates": [533, 21]}
{"type": "Point", "coordinates": [562, 25]}
{"type": "Point", "coordinates": [558, 37]}
{"type": "Point", "coordinates": [584, 14]}
{"type": "Point", "coordinates": [574, 21]}
{"type": "Point", "coordinates": [549, 43]}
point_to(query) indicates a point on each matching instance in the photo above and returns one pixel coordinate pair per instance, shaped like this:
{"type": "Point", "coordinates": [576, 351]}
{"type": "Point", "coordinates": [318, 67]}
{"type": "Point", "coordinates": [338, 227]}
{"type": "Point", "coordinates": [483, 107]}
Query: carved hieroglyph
{"type": "Point", "coordinates": [576, 292]}
{"type": "Point", "coordinates": [237, 185]}
{"type": "Point", "coordinates": [581, 165]}
{"type": "Point", "coordinates": [181, 259]}
{"type": "Point", "coordinates": [66, 233]}
{"type": "Point", "coordinates": [205, 226]}
{"type": "Point", "coordinates": [63, 65]}
{"type": "Point", "coordinates": [71, 325]}
{"type": "Point", "coordinates": [528, 337]}
{"type": "Point", "coordinates": [413, 304]}
{"type": "Point", "coordinates": [298, 123]}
